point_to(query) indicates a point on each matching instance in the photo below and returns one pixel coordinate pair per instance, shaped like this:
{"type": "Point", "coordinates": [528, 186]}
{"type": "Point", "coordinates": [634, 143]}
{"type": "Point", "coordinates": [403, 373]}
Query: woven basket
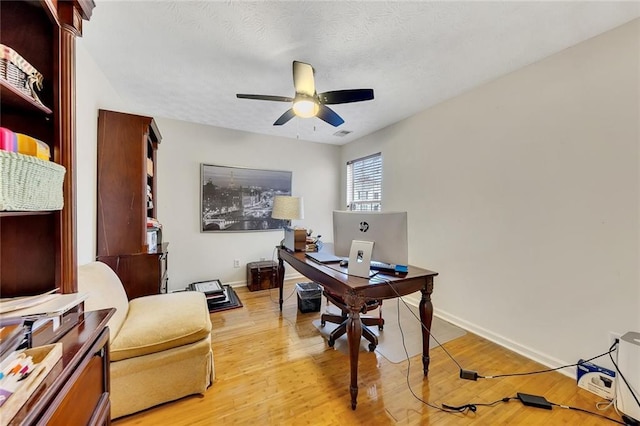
{"type": "Point", "coordinates": [29, 184]}
{"type": "Point", "coordinates": [19, 73]}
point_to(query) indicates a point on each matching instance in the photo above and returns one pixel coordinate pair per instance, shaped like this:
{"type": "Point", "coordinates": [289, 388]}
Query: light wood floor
{"type": "Point", "coordinates": [274, 368]}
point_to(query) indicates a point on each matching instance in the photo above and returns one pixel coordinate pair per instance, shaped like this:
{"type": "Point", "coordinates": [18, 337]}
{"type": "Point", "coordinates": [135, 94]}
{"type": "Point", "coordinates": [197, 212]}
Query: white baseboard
{"type": "Point", "coordinates": [523, 350]}
{"type": "Point", "coordinates": [244, 282]}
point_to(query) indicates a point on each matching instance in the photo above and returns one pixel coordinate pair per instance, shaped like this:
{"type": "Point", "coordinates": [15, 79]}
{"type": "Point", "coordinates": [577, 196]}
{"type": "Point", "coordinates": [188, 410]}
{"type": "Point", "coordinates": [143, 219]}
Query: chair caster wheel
{"type": "Point", "coordinates": [322, 323]}
{"type": "Point", "coordinates": [380, 327]}
{"type": "Point", "coordinates": [331, 343]}
{"type": "Point", "coordinates": [372, 347]}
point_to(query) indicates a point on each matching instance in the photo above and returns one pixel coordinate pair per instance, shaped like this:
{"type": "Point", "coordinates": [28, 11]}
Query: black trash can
{"type": "Point", "coordinates": [309, 297]}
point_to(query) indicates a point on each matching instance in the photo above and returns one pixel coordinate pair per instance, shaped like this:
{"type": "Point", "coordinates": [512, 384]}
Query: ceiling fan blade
{"type": "Point", "coordinates": [288, 115]}
{"type": "Point", "coordinates": [265, 97]}
{"type": "Point", "coordinates": [327, 114]}
{"type": "Point", "coordinates": [303, 78]}
{"type": "Point", "coordinates": [345, 96]}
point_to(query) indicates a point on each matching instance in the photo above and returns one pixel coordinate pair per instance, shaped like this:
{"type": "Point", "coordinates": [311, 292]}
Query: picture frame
{"type": "Point", "coordinates": [240, 199]}
{"type": "Point", "coordinates": [209, 287]}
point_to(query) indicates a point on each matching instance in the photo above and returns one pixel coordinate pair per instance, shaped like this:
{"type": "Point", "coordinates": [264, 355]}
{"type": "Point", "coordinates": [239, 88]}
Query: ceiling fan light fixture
{"type": "Point", "coordinates": [305, 107]}
{"type": "Point", "coordinates": [307, 102]}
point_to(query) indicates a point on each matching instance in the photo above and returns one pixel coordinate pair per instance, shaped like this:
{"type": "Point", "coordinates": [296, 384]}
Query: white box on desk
{"type": "Point", "coordinates": [295, 239]}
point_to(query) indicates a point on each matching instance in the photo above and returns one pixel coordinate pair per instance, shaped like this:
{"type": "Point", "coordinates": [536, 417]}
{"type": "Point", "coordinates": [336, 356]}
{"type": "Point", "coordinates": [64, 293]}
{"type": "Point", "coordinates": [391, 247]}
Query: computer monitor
{"type": "Point", "coordinates": [387, 230]}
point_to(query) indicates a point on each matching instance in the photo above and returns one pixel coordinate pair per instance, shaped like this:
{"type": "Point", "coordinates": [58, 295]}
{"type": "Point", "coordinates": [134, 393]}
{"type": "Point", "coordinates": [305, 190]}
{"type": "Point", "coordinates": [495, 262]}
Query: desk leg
{"type": "Point", "coordinates": [280, 279]}
{"type": "Point", "coordinates": [354, 333]}
{"type": "Point", "coordinates": [426, 316]}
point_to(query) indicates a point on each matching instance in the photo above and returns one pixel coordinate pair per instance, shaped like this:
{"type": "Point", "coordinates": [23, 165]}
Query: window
{"type": "Point", "coordinates": [364, 183]}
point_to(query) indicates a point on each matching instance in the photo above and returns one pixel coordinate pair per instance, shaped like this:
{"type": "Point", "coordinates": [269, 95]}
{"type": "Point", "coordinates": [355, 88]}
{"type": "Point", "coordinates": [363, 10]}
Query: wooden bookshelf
{"type": "Point", "coordinates": [38, 249]}
{"type": "Point", "coordinates": [127, 149]}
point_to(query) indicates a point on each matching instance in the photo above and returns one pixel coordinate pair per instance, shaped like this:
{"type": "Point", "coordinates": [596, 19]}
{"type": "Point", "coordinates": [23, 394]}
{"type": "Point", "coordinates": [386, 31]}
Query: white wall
{"type": "Point", "coordinates": [195, 256]}
{"type": "Point", "coordinates": [524, 195]}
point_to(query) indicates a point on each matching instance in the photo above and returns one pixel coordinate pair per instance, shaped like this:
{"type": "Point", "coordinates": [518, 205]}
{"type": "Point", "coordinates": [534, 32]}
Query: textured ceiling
{"type": "Point", "coordinates": [187, 59]}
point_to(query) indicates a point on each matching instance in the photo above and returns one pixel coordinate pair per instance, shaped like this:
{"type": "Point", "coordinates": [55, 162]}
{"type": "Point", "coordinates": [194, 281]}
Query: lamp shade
{"type": "Point", "coordinates": [287, 207]}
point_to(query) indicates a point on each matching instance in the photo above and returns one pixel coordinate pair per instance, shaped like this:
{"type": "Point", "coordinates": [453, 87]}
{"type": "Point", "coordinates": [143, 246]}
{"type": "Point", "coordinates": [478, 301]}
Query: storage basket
{"type": "Point", "coordinates": [19, 73]}
{"type": "Point", "coordinates": [30, 184]}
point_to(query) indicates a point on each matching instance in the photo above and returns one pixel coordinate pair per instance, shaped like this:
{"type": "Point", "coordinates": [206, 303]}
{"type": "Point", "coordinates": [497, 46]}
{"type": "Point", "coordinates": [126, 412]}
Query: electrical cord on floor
{"type": "Point", "coordinates": [399, 297]}
{"type": "Point", "coordinates": [472, 407]}
{"type": "Point", "coordinates": [472, 375]}
{"type": "Point", "coordinates": [604, 405]}
{"type": "Point", "coordinates": [463, 409]}
{"type": "Point", "coordinates": [612, 348]}
{"type": "Point", "coordinates": [582, 410]}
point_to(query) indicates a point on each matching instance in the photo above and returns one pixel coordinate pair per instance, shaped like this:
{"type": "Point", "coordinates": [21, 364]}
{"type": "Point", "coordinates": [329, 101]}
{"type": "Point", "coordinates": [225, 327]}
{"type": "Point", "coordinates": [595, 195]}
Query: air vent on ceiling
{"type": "Point", "coordinates": [341, 133]}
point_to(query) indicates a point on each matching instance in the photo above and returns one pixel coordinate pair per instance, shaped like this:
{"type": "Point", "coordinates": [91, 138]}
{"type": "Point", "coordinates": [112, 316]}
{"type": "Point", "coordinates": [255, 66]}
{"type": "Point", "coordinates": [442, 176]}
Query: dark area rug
{"type": "Point", "coordinates": [232, 301]}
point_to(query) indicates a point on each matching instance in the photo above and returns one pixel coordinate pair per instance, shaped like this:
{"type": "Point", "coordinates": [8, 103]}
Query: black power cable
{"type": "Point", "coordinates": [474, 406]}
{"type": "Point", "coordinates": [582, 410]}
{"type": "Point", "coordinates": [465, 408]}
{"type": "Point", "coordinates": [472, 375]}
{"type": "Point", "coordinates": [611, 349]}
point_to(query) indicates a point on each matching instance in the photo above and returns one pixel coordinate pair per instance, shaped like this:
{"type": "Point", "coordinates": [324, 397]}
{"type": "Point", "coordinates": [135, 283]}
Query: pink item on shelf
{"type": "Point", "coordinates": [8, 140]}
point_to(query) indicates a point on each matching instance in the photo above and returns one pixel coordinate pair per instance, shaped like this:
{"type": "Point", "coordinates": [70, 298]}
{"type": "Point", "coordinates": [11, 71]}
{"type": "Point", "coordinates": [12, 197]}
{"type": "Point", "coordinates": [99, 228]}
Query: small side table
{"type": "Point", "coordinates": [262, 275]}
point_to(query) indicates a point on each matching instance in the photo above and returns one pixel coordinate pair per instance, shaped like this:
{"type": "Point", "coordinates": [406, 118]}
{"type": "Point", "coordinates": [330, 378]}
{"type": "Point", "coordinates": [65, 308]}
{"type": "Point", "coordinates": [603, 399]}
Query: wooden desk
{"type": "Point", "coordinates": [357, 291]}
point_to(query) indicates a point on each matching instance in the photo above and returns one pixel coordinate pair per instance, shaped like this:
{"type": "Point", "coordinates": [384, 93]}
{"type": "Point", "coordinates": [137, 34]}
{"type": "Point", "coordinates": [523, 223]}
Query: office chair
{"type": "Point", "coordinates": [342, 320]}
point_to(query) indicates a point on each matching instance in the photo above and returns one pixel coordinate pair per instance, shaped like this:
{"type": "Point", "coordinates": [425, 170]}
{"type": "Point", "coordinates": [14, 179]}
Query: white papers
{"type": "Point", "coordinates": [14, 303]}
{"type": "Point", "coordinates": [55, 304]}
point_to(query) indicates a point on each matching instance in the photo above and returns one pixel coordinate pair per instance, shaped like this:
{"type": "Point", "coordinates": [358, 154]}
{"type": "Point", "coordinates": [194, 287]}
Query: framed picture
{"type": "Point", "coordinates": [210, 287]}
{"type": "Point", "coordinates": [234, 199]}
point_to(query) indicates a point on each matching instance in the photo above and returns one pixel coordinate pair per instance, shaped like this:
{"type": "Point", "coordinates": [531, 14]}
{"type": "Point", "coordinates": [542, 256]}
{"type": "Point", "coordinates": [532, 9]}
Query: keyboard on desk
{"type": "Point", "coordinates": [376, 266]}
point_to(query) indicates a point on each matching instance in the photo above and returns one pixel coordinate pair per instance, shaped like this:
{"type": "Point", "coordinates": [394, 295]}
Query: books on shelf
{"type": "Point", "coordinates": [153, 223]}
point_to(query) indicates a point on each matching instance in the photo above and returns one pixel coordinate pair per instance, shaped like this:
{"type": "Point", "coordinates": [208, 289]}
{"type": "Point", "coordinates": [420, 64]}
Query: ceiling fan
{"type": "Point", "coordinates": [307, 102]}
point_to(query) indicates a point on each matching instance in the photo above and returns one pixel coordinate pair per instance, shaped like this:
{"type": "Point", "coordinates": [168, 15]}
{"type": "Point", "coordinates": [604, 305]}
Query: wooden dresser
{"type": "Point", "coordinates": [141, 274]}
{"type": "Point", "coordinates": [76, 391]}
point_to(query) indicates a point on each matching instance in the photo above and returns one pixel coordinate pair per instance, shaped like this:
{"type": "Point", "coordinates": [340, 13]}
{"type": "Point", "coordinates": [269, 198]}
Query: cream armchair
{"type": "Point", "coordinates": [160, 345]}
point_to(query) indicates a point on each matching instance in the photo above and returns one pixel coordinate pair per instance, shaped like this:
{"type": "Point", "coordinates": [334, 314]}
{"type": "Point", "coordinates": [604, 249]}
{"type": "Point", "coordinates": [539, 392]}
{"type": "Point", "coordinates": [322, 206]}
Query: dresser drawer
{"type": "Point", "coordinates": [85, 396]}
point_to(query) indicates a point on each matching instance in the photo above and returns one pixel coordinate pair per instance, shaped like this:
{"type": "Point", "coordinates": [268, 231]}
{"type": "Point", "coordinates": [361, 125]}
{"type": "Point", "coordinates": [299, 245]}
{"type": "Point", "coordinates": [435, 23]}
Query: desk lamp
{"type": "Point", "coordinates": [287, 208]}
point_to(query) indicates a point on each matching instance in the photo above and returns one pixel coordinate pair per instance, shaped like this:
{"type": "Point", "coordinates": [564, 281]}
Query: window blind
{"type": "Point", "coordinates": [364, 183]}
